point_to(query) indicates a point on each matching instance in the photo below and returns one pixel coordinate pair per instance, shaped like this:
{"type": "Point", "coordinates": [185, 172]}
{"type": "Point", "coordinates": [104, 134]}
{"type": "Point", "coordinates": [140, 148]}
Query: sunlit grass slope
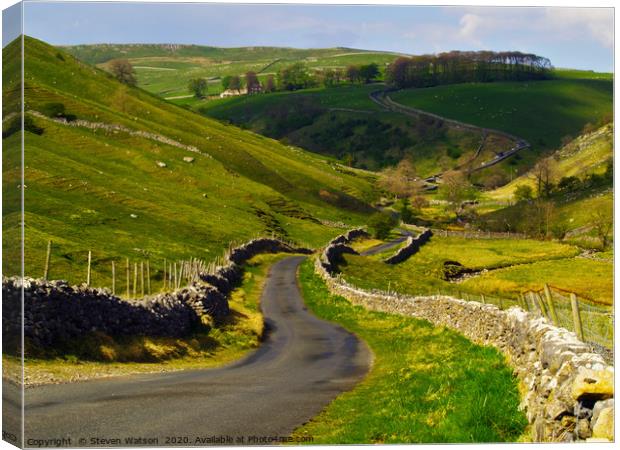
{"type": "Point", "coordinates": [542, 112]}
{"type": "Point", "coordinates": [103, 190]}
{"type": "Point", "coordinates": [166, 69]}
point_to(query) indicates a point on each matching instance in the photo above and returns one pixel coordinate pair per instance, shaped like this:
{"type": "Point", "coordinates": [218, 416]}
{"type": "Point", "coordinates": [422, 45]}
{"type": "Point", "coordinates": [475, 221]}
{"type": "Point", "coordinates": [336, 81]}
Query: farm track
{"type": "Point", "coordinates": [382, 99]}
{"type": "Point", "coordinates": [388, 245]}
{"type": "Point", "coordinates": [303, 364]}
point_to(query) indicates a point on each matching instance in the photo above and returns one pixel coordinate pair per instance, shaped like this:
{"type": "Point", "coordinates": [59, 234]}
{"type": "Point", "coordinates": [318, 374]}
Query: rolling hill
{"type": "Point", "coordinates": [165, 69]}
{"type": "Point", "coordinates": [118, 171]}
{"type": "Point", "coordinates": [542, 112]}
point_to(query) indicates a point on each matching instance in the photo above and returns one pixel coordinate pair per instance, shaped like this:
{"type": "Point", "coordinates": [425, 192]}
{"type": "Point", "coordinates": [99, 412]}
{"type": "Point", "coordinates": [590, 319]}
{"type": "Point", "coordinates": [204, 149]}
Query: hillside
{"type": "Point", "coordinates": [344, 123]}
{"type": "Point", "coordinates": [165, 69]}
{"type": "Point", "coordinates": [542, 112]}
{"type": "Point", "coordinates": [118, 171]}
{"type": "Point", "coordinates": [581, 173]}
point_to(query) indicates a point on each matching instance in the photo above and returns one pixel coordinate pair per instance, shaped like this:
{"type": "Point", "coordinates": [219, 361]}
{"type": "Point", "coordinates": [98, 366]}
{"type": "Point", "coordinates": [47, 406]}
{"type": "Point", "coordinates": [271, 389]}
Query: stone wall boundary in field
{"type": "Point", "coordinates": [55, 311]}
{"type": "Point", "coordinates": [567, 388]}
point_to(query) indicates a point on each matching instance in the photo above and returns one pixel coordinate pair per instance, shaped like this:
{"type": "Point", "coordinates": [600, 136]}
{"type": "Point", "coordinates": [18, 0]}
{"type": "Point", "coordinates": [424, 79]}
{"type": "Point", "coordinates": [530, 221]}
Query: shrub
{"type": "Point", "coordinates": [381, 224]}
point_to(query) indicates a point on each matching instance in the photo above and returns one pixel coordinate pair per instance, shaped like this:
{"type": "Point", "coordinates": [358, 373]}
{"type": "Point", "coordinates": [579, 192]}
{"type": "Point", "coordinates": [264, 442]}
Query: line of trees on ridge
{"type": "Point", "coordinates": [463, 67]}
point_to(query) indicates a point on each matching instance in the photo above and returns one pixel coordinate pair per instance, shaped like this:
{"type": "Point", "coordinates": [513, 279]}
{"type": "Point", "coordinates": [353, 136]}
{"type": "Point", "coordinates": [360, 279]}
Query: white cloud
{"type": "Point", "coordinates": [575, 22]}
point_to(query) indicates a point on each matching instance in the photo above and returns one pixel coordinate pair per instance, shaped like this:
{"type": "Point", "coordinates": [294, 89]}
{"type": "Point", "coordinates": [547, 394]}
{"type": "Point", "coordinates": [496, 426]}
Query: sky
{"type": "Point", "coordinates": [573, 37]}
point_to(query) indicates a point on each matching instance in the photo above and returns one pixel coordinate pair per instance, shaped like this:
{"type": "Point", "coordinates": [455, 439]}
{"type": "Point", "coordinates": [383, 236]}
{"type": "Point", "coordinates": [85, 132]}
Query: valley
{"type": "Point", "coordinates": [286, 206]}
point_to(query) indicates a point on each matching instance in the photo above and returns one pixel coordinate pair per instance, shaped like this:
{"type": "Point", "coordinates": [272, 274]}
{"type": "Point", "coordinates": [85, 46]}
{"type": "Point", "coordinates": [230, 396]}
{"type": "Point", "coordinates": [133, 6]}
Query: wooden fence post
{"type": "Point", "coordinates": [47, 260]}
{"type": "Point", "coordinates": [482, 299]}
{"type": "Point", "coordinates": [148, 277]}
{"type": "Point", "coordinates": [526, 307]}
{"type": "Point", "coordinates": [554, 316]}
{"type": "Point", "coordinates": [88, 271]}
{"type": "Point", "coordinates": [574, 303]}
{"type": "Point", "coordinates": [543, 307]}
{"type": "Point", "coordinates": [128, 278]}
{"type": "Point", "coordinates": [141, 278]}
{"type": "Point", "coordinates": [176, 284]}
{"type": "Point", "coordinates": [135, 278]}
{"type": "Point", "coordinates": [165, 273]}
{"type": "Point", "coordinates": [113, 279]}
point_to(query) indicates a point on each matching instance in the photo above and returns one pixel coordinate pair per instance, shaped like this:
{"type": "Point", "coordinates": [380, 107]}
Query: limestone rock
{"type": "Point", "coordinates": [593, 384]}
{"type": "Point", "coordinates": [604, 426]}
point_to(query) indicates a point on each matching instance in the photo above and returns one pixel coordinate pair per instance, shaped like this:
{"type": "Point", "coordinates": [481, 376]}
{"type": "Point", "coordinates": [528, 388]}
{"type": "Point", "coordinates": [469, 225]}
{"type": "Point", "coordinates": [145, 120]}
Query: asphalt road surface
{"type": "Point", "coordinates": [388, 245]}
{"type": "Point", "coordinates": [303, 364]}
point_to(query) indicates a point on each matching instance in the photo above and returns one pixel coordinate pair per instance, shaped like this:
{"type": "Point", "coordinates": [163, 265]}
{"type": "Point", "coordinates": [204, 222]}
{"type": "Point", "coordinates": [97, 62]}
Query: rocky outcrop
{"type": "Point", "coordinates": [54, 311]}
{"type": "Point", "coordinates": [567, 386]}
{"type": "Point", "coordinates": [410, 248]}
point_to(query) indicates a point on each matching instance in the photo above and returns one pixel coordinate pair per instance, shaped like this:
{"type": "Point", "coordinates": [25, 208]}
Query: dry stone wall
{"type": "Point", "coordinates": [567, 388]}
{"type": "Point", "coordinates": [410, 248]}
{"type": "Point", "coordinates": [54, 311]}
{"type": "Point", "coordinates": [332, 254]}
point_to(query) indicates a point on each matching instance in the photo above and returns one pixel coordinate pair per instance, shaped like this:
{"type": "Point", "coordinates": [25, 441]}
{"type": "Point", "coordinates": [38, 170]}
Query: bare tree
{"type": "Point", "coordinates": [123, 71]}
{"type": "Point", "coordinates": [401, 180]}
{"type": "Point", "coordinates": [455, 189]}
{"type": "Point", "coordinates": [544, 175]}
{"type": "Point", "coordinates": [603, 224]}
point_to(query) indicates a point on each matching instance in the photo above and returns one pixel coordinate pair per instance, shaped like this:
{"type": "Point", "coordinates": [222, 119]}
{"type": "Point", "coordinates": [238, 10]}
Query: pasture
{"type": "Point", "coordinates": [542, 112]}
{"type": "Point", "coordinates": [427, 384]}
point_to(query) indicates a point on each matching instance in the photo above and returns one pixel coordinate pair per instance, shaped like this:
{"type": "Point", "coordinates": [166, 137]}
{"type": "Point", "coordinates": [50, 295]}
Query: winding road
{"type": "Point", "coordinates": [302, 365]}
{"type": "Point", "coordinates": [387, 245]}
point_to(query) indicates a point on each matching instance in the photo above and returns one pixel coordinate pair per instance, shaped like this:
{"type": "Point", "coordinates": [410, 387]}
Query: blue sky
{"type": "Point", "coordinates": [570, 37]}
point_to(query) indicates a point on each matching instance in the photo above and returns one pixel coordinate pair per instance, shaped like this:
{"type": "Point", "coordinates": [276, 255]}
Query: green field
{"type": "Point", "coordinates": [426, 384]}
{"type": "Point", "coordinates": [530, 264]}
{"type": "Point", "coordinates": [102, 189]}
{"type": "Point", "coordinates": [542, 112]}
{"type": "Point", "coordinates": [335, 122]}
{"type": "Point", "coordinates": [165, 69]}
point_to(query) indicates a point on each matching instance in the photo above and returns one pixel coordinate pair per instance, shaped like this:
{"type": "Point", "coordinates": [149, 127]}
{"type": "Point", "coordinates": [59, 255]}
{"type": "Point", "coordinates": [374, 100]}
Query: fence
{"type": "Point", "coordinates": [136, 277]}
{"type": "Point", "coordinates": [591, 322]}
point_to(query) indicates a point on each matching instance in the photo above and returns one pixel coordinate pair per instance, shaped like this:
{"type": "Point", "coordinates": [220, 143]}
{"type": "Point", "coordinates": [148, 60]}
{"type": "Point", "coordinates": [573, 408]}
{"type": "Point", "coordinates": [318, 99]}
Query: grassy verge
{"type": "Point", "coordinates": [99, 355]}
{"type": "Point", "coordinates": [427, 384]}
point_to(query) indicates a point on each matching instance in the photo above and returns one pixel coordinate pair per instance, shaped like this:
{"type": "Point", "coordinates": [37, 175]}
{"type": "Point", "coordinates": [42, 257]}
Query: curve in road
{"type": "Point", "coordinates": [303, 364]}
{"type": "Point", "coordinates": [387, 245]}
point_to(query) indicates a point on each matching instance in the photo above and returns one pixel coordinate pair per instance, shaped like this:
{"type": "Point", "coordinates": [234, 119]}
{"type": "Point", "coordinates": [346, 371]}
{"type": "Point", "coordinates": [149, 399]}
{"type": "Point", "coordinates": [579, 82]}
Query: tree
{"type": "Point", "coordinates": [252, 83]}
{"type": "Point", "coordinates": [234, 83]}
{"type": "Point", "coordinates": [352, 73]}
{"type": "Point", "coordinates": [369, 72]}
{"type": "Point", "coordinates": [294, 77]}
{"type": "Point", "coordinates": [543, 174]}
{"type": "Point", "coordinates": [401, 180]}
{"type": "Point", "coordinates": [123, 71]}
{"type": "Point", "coordinates": [603, 223]}
{"type": "Point", "coordinates": [226, 82]}
{"type": "Point", "coordinates": [198, 86]}
{"type": "Point", "coordinates": [418, 202]}
{"type": "Point", "coordinates": [381, 223]}
{"type": "Point", "coordinates": [455, 189]}
{"type": "Point", "coordinates": [523, 192]}
{"type": "Point", "coordinates": [270, 84]}
{"type": "Point", "coordinates": [406, 215]}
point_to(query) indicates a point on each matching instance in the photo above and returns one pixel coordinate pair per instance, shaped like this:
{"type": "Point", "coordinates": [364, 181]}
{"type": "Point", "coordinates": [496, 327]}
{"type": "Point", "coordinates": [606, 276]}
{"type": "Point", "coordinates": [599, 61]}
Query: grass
{"type": "Point", "coordinates": [99, 355]}
{"type": "Point", "coordinates": [166, 72]}
{"type": "Point", "coordinates": [585, 155]}
{"type": "Point", "coordinates": [542, 112]}
{"type": "Point", "coordinates": [423, 274]}
{"type": "Point", "coordinates": [103, 191]}
{"type": "Point", "coordinates": [590, 279]}
{"type": "Point", "coordinates": [427, 384]}
{"type": "Point", "coordinates": [314, 119]}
